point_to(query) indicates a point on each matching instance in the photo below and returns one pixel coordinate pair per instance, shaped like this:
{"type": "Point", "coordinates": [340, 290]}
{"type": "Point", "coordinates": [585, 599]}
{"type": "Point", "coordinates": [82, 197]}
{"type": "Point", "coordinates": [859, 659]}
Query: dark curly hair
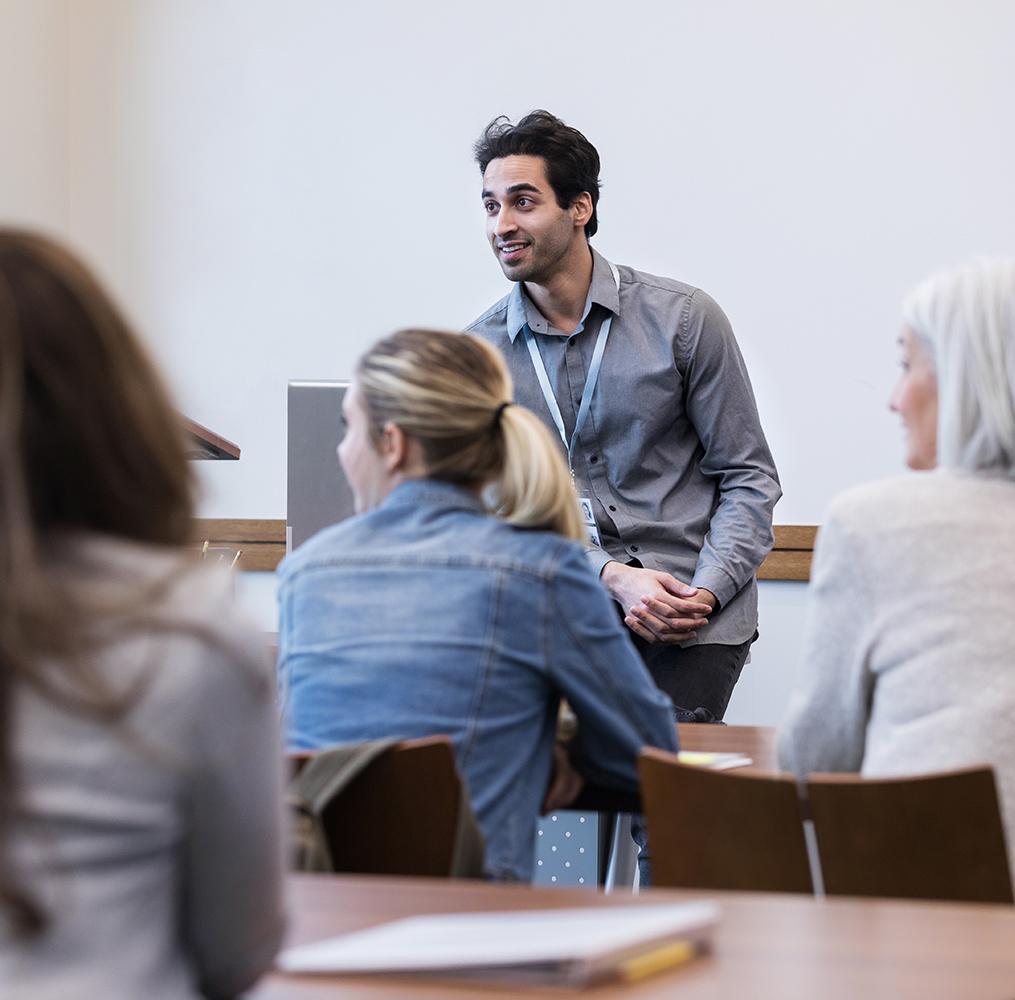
{"type": "Point", "coordinates": [572, 163]}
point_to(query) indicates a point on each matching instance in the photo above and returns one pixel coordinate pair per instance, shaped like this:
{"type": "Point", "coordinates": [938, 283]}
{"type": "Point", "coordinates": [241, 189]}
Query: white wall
{"type": "Point", "coordinates": [33, 113]}
{"type": "Point", "coordinates": [272, 186]}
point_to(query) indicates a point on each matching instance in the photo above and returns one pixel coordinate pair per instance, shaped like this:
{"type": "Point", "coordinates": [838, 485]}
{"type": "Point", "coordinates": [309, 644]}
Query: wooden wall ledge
{"type": "Point", "coordinates": [790, 558]}
{"type": "Point", "coordinates": [262, 544]}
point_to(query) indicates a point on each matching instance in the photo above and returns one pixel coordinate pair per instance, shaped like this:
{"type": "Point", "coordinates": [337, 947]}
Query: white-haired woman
{"type": "Point", "coordinates": [909, 653]}
{"type": "Point", "coordinates": [431, 613]}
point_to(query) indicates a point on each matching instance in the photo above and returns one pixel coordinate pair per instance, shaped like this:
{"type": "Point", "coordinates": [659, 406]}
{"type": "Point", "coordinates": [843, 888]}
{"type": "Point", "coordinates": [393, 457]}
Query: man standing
{"type": "Point", "coordinates": [643, 380]}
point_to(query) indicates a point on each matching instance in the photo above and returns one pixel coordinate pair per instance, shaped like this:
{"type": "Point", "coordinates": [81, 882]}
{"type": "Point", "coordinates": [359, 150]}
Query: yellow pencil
{"type": "Point", "coordinates": [667, 956]}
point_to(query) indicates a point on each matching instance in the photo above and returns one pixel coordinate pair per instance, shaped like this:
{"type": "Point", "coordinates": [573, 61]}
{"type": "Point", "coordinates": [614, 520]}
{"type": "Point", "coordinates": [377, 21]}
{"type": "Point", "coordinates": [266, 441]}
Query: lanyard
{"type": "Point", "coordinates": [590, 382]}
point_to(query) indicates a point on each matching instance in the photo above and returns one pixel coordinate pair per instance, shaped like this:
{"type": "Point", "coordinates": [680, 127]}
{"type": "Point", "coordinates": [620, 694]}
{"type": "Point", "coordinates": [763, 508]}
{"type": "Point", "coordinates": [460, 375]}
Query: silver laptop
{"type": "Point", "coordinates": [318, 493]}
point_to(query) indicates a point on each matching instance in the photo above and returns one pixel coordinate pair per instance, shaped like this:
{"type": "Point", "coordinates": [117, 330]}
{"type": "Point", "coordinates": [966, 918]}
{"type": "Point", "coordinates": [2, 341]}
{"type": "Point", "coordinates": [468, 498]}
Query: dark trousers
{"type": "Point", "coordinates": [695, 677]}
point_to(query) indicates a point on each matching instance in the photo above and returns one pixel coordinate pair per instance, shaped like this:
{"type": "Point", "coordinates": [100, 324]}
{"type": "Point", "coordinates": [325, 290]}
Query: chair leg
{"type": "Point", "coordinates": [814, 858]}
{"type": "Point", "coordinates": [622, 867]}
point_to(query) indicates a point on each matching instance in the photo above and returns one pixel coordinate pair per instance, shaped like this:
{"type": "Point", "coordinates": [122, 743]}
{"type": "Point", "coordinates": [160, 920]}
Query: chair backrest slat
{"type": "Point", "coordinates": [722, 830]}
{"type": "Point", "coordinates": [936, 836]}
{"type": "Point", "coordinates": [400, 815]}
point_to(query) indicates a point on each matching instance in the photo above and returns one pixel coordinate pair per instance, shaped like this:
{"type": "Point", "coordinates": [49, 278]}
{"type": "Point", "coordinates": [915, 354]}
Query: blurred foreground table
{"type": "Point", "coordinates": [766, 945]}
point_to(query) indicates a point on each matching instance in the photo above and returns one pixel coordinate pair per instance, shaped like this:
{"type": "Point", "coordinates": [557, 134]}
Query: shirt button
{"type": "Point", "coordinates": [612, 508]}
{"type": "Point", "coordinates": [593, 459]}
{"type": "Point", "coordinates": [634, 548]}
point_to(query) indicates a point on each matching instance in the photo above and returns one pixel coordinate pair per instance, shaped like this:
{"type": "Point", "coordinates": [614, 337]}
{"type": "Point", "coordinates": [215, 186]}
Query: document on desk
{"type": "Point", "coordinates": [573, 947]}
{"type": "Point", "coordinates": [713, 761]}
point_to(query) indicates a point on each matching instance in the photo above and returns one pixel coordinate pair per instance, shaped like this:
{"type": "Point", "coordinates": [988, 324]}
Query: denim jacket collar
{"type": "Point", "coordinates": [438, 492]}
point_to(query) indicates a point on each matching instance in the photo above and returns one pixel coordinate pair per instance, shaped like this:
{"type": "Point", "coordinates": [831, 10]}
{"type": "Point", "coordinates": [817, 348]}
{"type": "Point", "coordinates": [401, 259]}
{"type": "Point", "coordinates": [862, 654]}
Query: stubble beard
{"type": "Point", "coordinates": [543, 264]}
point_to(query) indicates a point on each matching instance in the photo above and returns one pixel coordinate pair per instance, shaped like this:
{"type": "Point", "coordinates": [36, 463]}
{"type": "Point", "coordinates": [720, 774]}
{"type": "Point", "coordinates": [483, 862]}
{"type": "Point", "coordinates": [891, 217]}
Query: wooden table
{"type": "Point", "coordinates": [756, 742]}
{"type": "Point", "coordinates": [766, 945]}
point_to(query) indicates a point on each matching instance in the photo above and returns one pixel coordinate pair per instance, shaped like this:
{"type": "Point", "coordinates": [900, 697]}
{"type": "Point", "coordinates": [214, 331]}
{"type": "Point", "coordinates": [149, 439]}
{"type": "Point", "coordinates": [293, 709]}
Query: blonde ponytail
{"type": "Point", "coordinates": [535, 488]}
{"type": "Point", "coordinates": [452, 393]}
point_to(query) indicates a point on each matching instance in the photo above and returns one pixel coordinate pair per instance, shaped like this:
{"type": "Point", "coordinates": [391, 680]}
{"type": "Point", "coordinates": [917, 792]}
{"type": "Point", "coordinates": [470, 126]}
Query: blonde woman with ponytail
{"type": "Point", "coordinates": [459, 601]}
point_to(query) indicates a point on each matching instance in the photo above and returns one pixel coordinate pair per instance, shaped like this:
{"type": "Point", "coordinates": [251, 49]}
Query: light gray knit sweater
{"type": "Point", "coordinates": [155, 846]}
{"type": "Point", "coordinates": [909, 647]}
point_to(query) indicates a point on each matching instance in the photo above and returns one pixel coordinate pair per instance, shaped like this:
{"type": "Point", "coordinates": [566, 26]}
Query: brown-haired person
{"type": "Point", "coordinates": [139, 763]}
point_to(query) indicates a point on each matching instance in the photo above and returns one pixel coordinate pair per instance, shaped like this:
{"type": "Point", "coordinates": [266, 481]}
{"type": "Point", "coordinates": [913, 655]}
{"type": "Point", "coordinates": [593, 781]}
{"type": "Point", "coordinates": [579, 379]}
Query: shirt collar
{"type": "Point", "coordinates": [603, 291]}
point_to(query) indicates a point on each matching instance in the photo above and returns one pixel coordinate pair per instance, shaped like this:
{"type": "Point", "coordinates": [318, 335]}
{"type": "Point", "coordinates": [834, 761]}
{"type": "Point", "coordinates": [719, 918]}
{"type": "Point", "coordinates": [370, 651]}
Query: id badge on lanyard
{"type": "Point", "coordinates": [584, 495]}
{"type": "Point", "coordinates": [589, 516]}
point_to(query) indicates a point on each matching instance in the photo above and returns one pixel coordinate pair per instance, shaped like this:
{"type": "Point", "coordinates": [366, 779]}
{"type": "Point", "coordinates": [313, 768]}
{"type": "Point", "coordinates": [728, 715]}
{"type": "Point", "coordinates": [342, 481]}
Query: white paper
{"type": "Point", "coordinates": [472, 940]}
{"type": "Point", "coordinates": [711, 761]}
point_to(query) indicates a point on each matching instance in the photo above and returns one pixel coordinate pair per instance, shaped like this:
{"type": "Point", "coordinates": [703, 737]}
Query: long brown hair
{"type": "Point", "coordinates": [88, 443]}
{"type": "Point", "coordinates": [452, 392]}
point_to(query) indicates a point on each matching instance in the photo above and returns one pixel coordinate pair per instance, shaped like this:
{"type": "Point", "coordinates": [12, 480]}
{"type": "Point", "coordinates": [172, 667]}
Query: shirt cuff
{"type": "Point", "coordinates": [598, 558]}
{"type": "Point", "coordinates": [718, 581]}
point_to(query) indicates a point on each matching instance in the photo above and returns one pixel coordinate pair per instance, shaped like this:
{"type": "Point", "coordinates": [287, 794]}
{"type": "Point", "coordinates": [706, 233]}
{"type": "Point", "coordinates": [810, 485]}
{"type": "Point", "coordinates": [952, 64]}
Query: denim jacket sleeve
{"type": "Point", "coordinates": [595, 666]}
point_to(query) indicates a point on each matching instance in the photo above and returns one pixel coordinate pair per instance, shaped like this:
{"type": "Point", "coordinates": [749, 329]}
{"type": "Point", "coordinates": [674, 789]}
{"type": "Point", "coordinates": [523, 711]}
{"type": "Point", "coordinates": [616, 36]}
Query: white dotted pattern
{"type": "Point", "coordinates": [567, 849]}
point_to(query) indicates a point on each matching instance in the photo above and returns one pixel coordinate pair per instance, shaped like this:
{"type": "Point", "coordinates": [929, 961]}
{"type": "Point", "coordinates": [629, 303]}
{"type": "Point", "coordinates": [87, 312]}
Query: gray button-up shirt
{"type": "Point", "coordinates": [672, 454]}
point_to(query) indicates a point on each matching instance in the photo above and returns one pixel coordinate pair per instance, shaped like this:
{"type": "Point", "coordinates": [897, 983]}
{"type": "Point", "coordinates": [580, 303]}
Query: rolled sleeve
{"type": "Point", "coordinates": [598, 558]}
{"type": "Point", "coordinates": [718, 581]}
{"type": "Point", "coordinates": [723, 411]}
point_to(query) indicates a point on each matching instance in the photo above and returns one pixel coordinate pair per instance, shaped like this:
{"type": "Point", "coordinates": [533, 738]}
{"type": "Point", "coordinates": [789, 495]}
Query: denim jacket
{"type": "Point", "coordinates": [428, 616]}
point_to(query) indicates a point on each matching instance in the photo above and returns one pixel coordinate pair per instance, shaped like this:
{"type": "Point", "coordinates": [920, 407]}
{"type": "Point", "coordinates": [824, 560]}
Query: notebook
{"type": "Point", "coordinates": [574, 947]}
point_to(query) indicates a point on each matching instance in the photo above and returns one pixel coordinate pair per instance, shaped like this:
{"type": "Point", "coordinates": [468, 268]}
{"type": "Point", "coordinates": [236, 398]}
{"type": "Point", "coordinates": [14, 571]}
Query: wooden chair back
{"type": "Point", "coordinates": [400, 815]}
{"type": "Point", "coordinates": [722, 830]}
{"type": "Point", "coordinates": [936, 836]}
